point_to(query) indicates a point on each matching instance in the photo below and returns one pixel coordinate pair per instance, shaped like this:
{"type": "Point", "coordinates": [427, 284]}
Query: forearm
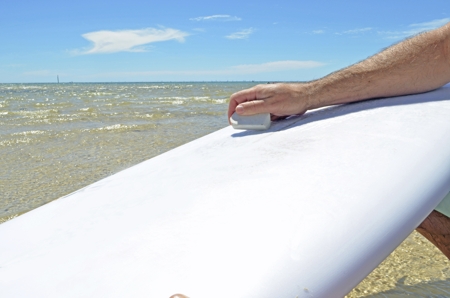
{"type": "Point", "coordinates": [416, 65]}
{"type": "Point", "coordinates": [419, 64]}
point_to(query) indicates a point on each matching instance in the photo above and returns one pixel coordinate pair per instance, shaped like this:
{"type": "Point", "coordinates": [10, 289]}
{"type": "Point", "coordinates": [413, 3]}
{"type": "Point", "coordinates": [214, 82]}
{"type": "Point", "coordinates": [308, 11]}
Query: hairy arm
{"type": "Point", "coordinates": [415, 65]}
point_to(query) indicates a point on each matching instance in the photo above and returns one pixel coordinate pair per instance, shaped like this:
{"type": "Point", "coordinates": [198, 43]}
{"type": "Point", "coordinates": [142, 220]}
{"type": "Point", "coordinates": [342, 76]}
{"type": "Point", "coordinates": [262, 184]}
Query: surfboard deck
{"type": "Point", "coordinates": [307, 208]}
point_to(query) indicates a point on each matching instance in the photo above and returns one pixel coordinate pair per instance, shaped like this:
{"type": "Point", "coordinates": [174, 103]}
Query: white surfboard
{"type": "Point", "coordinates": [307, 208]}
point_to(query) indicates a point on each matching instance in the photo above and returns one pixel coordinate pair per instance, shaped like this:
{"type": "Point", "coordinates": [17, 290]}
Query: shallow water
{"type": "Point", "coordinates": [57, 138]}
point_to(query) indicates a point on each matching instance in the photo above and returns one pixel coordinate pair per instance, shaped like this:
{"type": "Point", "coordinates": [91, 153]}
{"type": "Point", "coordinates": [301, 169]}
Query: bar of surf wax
{"type": "Point", "coordinates": [253, 122]}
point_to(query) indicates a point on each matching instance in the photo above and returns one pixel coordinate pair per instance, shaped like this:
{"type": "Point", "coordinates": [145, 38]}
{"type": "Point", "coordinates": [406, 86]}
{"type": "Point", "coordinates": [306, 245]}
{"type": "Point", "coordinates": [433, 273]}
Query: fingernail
{"type": "Point", "coordinates": [239, 109]}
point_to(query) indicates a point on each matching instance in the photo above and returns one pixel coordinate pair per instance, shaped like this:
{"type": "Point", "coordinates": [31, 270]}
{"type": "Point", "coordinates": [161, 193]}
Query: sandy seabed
{"type": "Point", "coordinates": [415, 269]}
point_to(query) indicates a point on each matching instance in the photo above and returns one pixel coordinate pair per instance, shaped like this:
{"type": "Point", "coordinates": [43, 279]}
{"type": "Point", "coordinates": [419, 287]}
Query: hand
{"type": "Point", "coordinates": [280, 100]}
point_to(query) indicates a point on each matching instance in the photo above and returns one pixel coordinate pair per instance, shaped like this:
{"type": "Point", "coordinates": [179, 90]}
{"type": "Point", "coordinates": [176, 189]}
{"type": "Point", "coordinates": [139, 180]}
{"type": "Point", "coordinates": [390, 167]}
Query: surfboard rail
{"type": "Point", "coordinates": [307, 208]}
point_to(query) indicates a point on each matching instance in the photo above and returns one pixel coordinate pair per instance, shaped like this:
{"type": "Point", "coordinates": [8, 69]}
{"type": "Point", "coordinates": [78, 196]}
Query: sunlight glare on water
{"type": "Point", "coordinates": [57, 138]}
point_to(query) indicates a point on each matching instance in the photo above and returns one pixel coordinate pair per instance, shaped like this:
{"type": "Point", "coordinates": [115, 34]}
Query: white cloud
{"type": "Point", "coordinates": [243, 34]}
{"type": "Point", "coordinates": [355, 31]}
{"type": "Point", "coordinates": [217, 17]}
{"type": "Point", "coordinates": [318, 31]}
{"type": "Point", "coordinates": [419, 27]}
{"type": "Point", "coordinates": [276, 66]}
{"type": "Point", "coordinates": [414, 29]}
{"type": "Point", "coordinates": [128, 40]}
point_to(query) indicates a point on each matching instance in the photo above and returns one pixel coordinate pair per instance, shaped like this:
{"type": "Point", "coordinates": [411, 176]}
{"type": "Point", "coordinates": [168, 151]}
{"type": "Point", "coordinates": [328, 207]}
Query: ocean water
{"type": "Point", "coordinates": [57, 138]}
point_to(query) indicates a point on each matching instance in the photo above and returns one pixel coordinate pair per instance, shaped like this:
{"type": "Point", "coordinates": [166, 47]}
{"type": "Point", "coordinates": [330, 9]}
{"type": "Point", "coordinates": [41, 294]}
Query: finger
{"type": "Point", "coordinates": [252, 107]}
{"type": "Point", "coordinates": [240, 97]}
{"type": "Point", "coordinates": [231, 108]}
{"type": "Point", "coordinates": [178, 296]}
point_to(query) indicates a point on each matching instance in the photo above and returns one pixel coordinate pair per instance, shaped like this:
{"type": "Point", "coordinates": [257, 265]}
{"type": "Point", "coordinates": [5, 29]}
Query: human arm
{"type": "Point", "coordinates": [418, 64]}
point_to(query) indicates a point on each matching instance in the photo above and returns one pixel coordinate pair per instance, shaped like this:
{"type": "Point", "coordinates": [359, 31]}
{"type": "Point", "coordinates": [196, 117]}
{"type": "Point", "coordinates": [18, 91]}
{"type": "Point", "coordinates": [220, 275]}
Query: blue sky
{"type": "Point", "coordinates": [134, 40]}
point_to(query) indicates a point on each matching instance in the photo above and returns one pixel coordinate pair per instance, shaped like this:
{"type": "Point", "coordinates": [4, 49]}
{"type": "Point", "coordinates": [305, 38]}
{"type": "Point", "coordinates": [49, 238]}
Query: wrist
{"type": "Point", "coordinates": [312, 94]}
